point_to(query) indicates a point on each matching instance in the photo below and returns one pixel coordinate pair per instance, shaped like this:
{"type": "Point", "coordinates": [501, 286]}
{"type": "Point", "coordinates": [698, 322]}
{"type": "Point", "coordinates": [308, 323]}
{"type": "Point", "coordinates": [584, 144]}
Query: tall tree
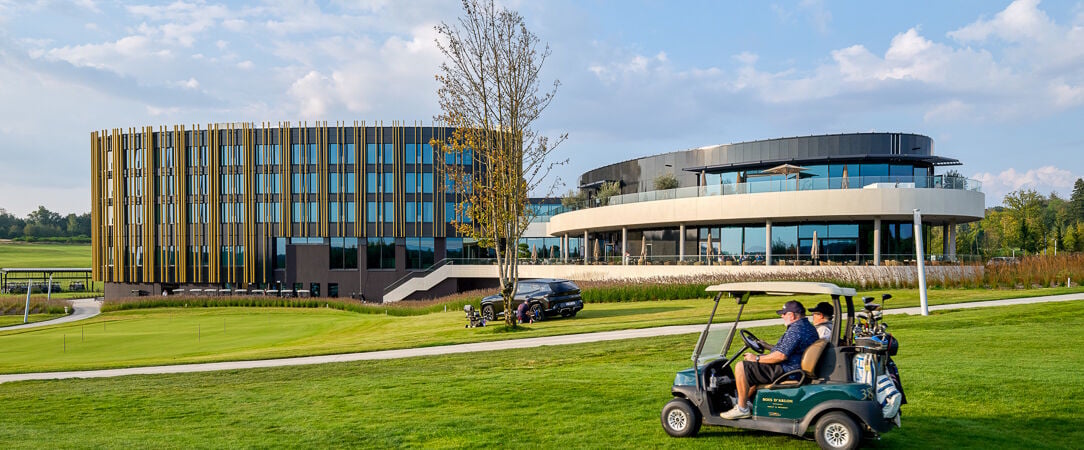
{"type": "Point", "coordinates": [1076, 201]}
{"type": "Point", "coordinates": [491, 92]}
{"type": "Point", "coordinates": [1026, 210]}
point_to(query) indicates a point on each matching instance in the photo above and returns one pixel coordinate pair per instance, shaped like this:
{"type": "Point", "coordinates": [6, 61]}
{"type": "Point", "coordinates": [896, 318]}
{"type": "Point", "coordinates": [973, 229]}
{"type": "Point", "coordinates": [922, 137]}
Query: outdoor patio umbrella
{"type": "Point", "coordinates": [787, 169]}
{"type": "Point", "coordinates": [709, 249]}
{"type": "Point", "coordinates": [597, 243]}
{"type": "Point", "coordinates": [534, 252]}
{"type": "Point", "coordinates": [643, 249]}
{"type": "Point", "coordinates": [846, 183]}
{"type": "Point", "coordinates": [815, 251]}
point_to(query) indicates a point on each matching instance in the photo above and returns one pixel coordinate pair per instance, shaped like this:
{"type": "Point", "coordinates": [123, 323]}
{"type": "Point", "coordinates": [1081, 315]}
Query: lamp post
{"type": "Point", "coordinates": [921, 263]}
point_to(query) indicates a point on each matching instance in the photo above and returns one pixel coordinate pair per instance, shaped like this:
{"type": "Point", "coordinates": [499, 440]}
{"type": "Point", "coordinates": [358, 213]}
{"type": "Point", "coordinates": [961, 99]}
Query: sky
{"type": "Point", "coordinates": [998, 85]}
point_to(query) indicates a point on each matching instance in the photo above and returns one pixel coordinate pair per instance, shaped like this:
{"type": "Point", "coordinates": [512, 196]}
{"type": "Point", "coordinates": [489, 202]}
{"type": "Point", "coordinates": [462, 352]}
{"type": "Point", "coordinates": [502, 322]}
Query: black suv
{"type": "Point", "coordinates": [545, 298]}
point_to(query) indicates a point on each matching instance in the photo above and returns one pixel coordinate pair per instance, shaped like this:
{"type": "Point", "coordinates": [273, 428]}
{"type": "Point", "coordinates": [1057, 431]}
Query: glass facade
{"type": "Point", "coordinates": [380, 253]}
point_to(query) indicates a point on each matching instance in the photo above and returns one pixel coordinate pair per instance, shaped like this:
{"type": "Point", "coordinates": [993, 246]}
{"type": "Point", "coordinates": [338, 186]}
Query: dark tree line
{"type": "Point", "coordinates": [44, 224]}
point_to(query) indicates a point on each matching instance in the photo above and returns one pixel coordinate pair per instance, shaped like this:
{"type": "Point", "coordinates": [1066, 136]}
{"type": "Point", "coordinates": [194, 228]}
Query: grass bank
{"type": "Point", "coordinates": [6, 321]}
{"type": "Point", "coordinates": [17, 254]}
{"type": "Point", "coordinates": [972, 378]}
{"type": "Point", "coordinates": [156, 336]}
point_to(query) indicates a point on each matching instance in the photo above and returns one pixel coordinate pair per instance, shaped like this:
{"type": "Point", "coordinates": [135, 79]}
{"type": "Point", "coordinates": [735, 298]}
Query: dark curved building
{"type": "Point", "coordinates": [849, 197]}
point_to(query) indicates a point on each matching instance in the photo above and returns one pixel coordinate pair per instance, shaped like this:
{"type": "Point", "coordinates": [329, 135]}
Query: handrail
{"type": "Point", "coordinates": [789, 185]}
{"type": "Point", "coordinates": [411, 274]}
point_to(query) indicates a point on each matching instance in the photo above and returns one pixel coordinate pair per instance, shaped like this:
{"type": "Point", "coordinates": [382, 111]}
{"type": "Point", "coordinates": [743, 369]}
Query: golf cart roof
{"type": "Point", "coordinates": [782, 287]}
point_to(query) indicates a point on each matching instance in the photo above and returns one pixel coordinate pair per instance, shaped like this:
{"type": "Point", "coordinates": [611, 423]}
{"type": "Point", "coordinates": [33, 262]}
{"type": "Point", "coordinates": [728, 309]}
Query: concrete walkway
{"type": "Point", "coordinates": [83, 308]}
{"type": "Point", "coordinates": [478, 347]}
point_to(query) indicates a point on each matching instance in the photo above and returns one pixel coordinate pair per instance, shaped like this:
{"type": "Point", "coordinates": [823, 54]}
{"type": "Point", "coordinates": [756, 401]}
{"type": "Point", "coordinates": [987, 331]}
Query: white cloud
{"type": "Point", "coordinates": [950, 111]}
{"type": "Point", "coordinates": [1045, 179]}
{"type": "Point", "coordinates": [246, 65]}
{"type": "Point", "coordinates": [190, 83]}
{"type": "Point", "coordinates": [1021, 20]}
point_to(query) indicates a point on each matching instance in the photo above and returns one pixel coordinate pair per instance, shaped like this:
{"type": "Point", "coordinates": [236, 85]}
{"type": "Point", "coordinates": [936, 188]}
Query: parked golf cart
{"type": "Point", "coordinates": [823, 393]}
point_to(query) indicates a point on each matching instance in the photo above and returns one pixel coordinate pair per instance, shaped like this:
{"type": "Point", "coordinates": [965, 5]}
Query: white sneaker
{"type": "Point", "coordinates": [736, 413]}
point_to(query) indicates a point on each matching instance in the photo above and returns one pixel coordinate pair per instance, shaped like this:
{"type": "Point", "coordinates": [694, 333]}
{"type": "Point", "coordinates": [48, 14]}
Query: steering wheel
{"type": "Point", "coordinates": [753, 342]}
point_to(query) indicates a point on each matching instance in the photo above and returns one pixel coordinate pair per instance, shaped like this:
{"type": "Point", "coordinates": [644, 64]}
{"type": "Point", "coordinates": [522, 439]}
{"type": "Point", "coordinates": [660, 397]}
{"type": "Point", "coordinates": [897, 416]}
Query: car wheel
{"type": "Point", "coordinates": [680, 418]}
{"type": "Point", "coordinates": [838, 431]}
{"type": "Point", "coordinates": [488, 314]}
{"type": "Point", "coordinates": [537, 313]}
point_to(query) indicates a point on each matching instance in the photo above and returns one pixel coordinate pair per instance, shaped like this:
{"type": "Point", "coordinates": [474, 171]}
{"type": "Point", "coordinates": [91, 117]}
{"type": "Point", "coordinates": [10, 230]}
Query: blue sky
{"type": "Point", "coordinates": [998, 85]}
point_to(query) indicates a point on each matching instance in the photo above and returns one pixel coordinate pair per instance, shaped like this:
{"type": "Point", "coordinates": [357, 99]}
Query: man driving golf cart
{"type": "Point", "coordinates": [823, 392]}
{"type": "Point", "coordinates": [786, 355]}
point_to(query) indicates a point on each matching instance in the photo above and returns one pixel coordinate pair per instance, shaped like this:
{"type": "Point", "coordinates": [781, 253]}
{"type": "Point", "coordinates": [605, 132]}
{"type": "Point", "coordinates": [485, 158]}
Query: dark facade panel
{"type": "Point", "coordinates": [637, 175]}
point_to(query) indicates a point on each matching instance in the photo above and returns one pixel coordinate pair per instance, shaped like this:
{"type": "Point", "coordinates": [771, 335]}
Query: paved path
{"type": "Point", "coordinates": [477, 347]}
{"type": "Point", "coordinates": [84, 308]}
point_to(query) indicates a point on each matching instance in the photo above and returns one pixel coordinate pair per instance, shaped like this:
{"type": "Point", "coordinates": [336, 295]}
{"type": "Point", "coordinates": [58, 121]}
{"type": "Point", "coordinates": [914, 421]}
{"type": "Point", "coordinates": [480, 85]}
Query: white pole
{"type": "Point", "coordinates": [49, 290]}
{"type": "Point", "coordinates": [921, 263]}
{"type": "Point", "coordinates": [26, 311]}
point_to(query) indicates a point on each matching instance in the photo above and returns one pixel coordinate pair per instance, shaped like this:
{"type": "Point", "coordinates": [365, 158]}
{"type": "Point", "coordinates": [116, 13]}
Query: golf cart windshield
{"type": "Point", "coordinates": [719, 338]}
{"type": "Point", "coordinates": [713, 344]}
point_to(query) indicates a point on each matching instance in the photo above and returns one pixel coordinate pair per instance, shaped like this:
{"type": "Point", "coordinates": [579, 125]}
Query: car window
{"type": "Point", "coordinates": [565, 286]}
{"type": "Point", "coordinates": [525, 288]}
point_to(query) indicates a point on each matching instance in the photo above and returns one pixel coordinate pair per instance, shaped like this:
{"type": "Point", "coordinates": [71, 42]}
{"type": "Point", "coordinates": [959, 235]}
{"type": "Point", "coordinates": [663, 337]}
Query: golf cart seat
{"type": "Point", "coordinates": [807, 371]}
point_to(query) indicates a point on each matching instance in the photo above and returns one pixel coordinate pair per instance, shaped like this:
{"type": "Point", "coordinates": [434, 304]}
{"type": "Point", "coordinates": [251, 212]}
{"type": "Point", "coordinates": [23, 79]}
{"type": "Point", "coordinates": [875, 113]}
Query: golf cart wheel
{"type": "Point", "coordinates": [537, 313]}
{"type": "Point", "coordinates": [488, 314]}
{"type": "Point", "coordinates": [838, 431]}
{"type": "Point", "coordinates": [680, 418]}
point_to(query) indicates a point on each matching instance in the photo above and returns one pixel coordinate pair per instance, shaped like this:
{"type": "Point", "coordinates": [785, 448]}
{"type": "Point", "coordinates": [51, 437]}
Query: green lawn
{"type": "Point", "coordinates": [187, 335]}
{"type": "Point", "coordinates": [988, 378]}
{"type": "Point", "coordinates": [14, 254]}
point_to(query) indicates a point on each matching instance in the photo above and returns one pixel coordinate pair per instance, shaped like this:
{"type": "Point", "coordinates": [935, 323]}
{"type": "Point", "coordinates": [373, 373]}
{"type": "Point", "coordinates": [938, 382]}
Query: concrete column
{"type": "Point", "coordinates": [624, 246]}
{"type": "Point", "coordinates": [767, 242]}
{"type": "Point", "coordinates": [586, 247]}
{"type": "Point", "coordinates": [681, 242]}
{"type": "Point", "coordinates": [950, 239]}
{"type": "Point", "coordinates": [564, 248]}
{"type": "Point", "coordinates": [877, 242]}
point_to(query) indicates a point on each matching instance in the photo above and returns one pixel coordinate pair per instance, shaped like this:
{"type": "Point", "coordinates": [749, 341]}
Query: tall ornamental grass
{"type": "Point", "coordinates": [38, 305]}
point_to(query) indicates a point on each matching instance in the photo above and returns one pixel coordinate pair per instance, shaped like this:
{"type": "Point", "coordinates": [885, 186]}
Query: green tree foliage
{"type": "Point", "coordinates": [574, 199]}
{"type": "Point", "coordinates": [666, 181]}
{"type": "Point", "coordinates": [1076, 201]}
{"type": "Point", "coordinates": [43, 223]}
{"type": "Point", "coordinates": [606, 191]}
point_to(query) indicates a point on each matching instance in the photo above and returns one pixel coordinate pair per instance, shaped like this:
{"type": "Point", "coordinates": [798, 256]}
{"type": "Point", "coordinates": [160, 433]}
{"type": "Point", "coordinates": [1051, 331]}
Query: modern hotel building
{"type": "Point", "coordinates": [847, 198]}
{"type": "Point", "coordinates": [356, 209]}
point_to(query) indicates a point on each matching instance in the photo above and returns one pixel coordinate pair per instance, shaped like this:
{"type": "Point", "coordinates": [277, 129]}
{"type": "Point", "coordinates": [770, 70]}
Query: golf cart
{"type": "Point", "coordinates": [823, 393]}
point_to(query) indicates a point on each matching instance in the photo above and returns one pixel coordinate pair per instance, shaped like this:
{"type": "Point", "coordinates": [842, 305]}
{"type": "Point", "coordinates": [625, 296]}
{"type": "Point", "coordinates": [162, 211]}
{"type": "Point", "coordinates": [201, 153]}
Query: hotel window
{"type": "Point", "coordinates": [333, 212]}
{"type": "Point", "coordinates": [389, 183]}
{"type": "Point", "coordinates": [410, 183]}
{"type": "Point", "coordinates": [314, 155]}
{"type": "Point", "coordinates": [427, 154]}
{"type": "Point", "coordinates": [349, 185]}
{"type": "Point", "coordinates": [333, 154]}
{"type": "Point", "coordinates": [295, 154]}
{"type": "Point", "coordinates": [349, 153]}
{"type": "Point", "coordinates": [333, 183]}
{"type": "Point", "coordinates": [380, 253]}
{"type": "Point", "coordinates": [370, 154]}
{"type": "Point", "coordinates": [389, 154]}
{"type": "Point", "coordinates": [389, 212]}
{"type": "Point", "coordinates": [371, 212]}
{"type": "Point", "coordinates": [350, 213]}
{"type": "Point", "coordinates": [370, 183]}
{"type": "Point", "coordinates": [410, 153]}
{"type": "Point", "coordinates": [420, 252]}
